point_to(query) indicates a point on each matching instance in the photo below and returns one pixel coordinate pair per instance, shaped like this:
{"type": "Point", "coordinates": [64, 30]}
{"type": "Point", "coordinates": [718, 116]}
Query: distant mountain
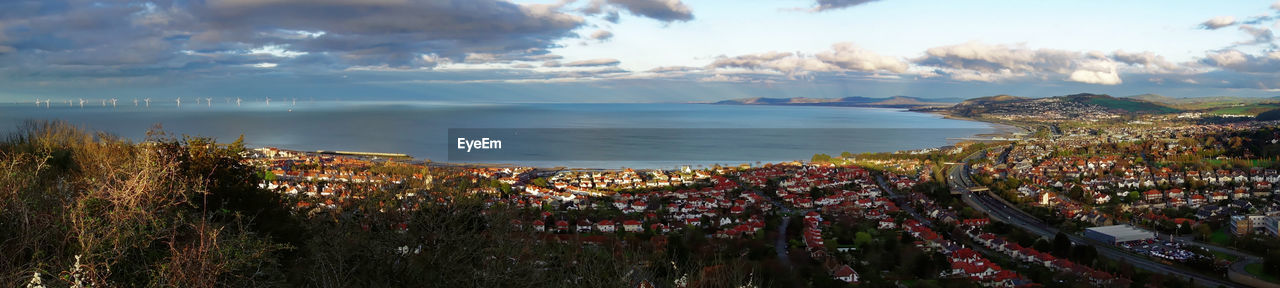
{"type": "Point", "coordinates": [856, 101]}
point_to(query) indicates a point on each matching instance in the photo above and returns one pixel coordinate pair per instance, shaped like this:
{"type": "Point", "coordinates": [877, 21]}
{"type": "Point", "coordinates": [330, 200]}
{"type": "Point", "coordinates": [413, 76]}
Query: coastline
{"type": "Point", "coordinates": [1003, 130]}
{"type": "Point", "coordinates": [413, 147]}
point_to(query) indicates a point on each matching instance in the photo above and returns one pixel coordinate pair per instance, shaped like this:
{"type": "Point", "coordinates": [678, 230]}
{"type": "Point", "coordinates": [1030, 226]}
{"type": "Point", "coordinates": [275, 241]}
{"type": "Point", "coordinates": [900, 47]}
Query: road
{"type": "Point", "coordinates": [999, 210]}
{"type": "Point", "coordinates": [780, 246]}
{"type": "Point", "coordinates": [902, 202]}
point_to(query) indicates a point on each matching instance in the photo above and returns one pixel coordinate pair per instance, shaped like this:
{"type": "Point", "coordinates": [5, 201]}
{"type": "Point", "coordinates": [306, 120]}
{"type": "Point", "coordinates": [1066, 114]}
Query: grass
{"type": "Point", "coordinates": [1225, 256]}
{"type": "Point", "coordinates": [1250, 109]}
{"type": "Point", "coordinates": [1219, 238]}
{"type": "Point", "coordinates": [1250, 162]}
{"type": "Point", "coordinates": [1130, 105]}
{"type": "Point", "coordinates": [1256, 270]}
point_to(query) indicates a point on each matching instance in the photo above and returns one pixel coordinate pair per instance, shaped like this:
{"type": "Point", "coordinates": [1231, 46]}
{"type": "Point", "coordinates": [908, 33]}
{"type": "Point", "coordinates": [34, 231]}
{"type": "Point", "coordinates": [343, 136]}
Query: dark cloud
{"type": "Point", "coordinates": [73, 36]}
{"type": "Point", "coordinates": [826, 5]}
{"type": "Point", "coordinates": [661, 10]}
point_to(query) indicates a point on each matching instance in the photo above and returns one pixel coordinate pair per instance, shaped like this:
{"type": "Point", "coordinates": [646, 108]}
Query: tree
{"type": "Point", "coordinates": [1076, 192]}
{"type": "Point", "coordinates": [1271, 262]}
{"type": "Point", "coordinates": [923, 267]}
{"type": "Point", "coordinates": [1203, 231]}
{"type": "Point", "coordinates": [1042, 245]}
{"type": "Point", "coordinates": [861, 239]}
{"type": "Point", "coordinates": [1061, 245]}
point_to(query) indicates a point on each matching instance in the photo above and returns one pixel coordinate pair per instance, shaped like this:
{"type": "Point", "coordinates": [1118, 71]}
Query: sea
{"type": "Point", "coordinates": [759, 133]}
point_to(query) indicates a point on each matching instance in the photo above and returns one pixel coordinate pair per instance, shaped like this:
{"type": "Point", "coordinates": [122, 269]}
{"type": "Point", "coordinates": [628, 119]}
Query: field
{"type": "Point", "coordinates": [1256, 270]}
{"type": "Point", "coordinates": [1130, 105]}
{"type": "Point", "coordinates": [1250, 109]}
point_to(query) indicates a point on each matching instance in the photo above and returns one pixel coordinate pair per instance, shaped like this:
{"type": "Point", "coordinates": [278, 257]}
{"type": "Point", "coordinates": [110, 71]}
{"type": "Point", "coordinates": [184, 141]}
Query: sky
{"type": "Point", "coordinates": [633, 50]}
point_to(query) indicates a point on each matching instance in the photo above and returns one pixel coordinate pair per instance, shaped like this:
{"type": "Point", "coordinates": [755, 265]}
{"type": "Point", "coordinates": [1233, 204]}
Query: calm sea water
{"type": "Point", "coordinates": [420, 128]}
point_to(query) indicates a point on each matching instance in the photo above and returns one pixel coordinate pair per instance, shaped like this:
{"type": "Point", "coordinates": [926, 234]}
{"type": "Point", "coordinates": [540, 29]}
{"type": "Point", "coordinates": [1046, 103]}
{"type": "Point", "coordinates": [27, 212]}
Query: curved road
{"type": "Point", "coordinates": [958, 179]}
{"type": "Point", "coordinates": [781, 245]}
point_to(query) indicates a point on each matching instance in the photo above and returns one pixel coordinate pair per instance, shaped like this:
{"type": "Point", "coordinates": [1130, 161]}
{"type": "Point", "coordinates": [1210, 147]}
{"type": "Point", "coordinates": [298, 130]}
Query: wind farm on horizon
{"type": "Point", "coordinates": [208, 102]}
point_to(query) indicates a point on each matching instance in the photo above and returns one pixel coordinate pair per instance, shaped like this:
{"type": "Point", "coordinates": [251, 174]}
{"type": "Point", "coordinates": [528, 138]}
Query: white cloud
{"type": "Point", "coordinates": [1218, 22]}
{"type": "Point", "coordinates": [1148, 62]}
{"type": "Point", "coordinates": [1098, 71]}
{"type": "Point", "coordinates": [851, 57]}
{"type": "Point", "coordinates": [1260, 35]}
{"type": "Point", "coordinates": [276, 51]}
{"type": "Point", "coordinates": [601, 35]}
{"type": "Point", "coordinates": [827, 5]}
{"type": "Point", "coordinates": [593, 62]}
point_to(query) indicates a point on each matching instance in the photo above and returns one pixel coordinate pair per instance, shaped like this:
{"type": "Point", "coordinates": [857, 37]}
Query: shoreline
{"type": "Point", "coordinates": [1005, 130]}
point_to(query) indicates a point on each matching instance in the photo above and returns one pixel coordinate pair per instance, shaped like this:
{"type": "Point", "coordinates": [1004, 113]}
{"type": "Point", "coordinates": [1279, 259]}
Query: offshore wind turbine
{"type": "Point", "coordinates": [179, 102]}
{"type": "Point", "coordinates": [135, 102]}
{"type": "Point", "coordinates": [268, 101]}
{"type": "Point", "coordinates": [46, 103]}
{"type": "Point", "coordinates": [209, 101]}
{"type": "Point", "coordinates": [237, 101]}
{"type": "Point", "coordinates": [81, 102]}
{"type": "Point", "coordinates": [113, 102]}
{"type": "Point", "coordinates": [148, 100]}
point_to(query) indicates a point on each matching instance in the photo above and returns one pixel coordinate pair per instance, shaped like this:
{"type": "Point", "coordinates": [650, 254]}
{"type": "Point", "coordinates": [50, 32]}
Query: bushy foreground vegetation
{"type": "Point", "coordinates": [82, 209]}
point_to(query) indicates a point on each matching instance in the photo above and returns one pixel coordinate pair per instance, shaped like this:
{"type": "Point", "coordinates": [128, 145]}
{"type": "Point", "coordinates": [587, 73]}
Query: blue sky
{"type": "Point", "coordinates": [633, 50]}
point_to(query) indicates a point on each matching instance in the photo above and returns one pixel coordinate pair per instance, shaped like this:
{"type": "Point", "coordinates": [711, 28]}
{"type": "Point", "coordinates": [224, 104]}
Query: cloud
{"type": "Point", "coordinates": [842, 57]}
{"type": "Point", "coordinates": [1275, 6]}
{"type": "Point", "coordinates": [1260, 35]}
{"type": "Point", "coordinates": [722, 78]}
{"type": "Point", "coordinates": [213, 37]}
{"type": "Point", "coordinates": [601, 35]}
{"type": "Point", "coordinates": [1218, 22]}
{"type": "Point", "coordinates": [661, 10]}
{"type": "Point", "coordinates": [664, 69]}
{"type": "Point", "coordinates": [826, 5]}
{"type": "Point", "coordinates": [994, 58]}
{"type": "Point", "coordinates": [1150, 62]}
{"type": "Point", "coordinates": [593, 63]}
{"type": "Point", "coordinates": [1236, 60]}
{"type": "Point", "coordinates": [974, 61]}
{"type": "Point", "coordinates": [1096, 71]}
{"type": "Point", "coordinates": [749, 61]}
{"type": "Point", "coordinates": [851, 57]}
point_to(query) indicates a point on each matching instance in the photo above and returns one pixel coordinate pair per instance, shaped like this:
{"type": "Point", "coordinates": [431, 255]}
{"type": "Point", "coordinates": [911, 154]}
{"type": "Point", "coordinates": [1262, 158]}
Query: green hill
{"type": "Point", "coordinates": [1126, 104]}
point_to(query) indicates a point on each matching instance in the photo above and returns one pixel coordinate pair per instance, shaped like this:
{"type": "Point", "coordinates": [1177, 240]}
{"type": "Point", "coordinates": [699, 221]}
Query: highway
{"type": "Point", "coordinates": [999, 210]}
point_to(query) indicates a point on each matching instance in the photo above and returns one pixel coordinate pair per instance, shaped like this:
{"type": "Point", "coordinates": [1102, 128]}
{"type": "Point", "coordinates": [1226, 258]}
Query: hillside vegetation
{"type": "Point", "coordinates": [83, 209]}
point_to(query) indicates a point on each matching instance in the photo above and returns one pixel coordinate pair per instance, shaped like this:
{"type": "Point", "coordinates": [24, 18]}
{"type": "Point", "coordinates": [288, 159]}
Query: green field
{"type": "Point", "coordinates": [1220, 238]}
{"type": "Point", "coordinates": [1225, 256]}
{"type": "Point", "coordinates": [1130, 105]}
{"type": "Point", "coordinates": [1255, 269]}
{"type": "Point", "coordinates": [1251, 109]}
